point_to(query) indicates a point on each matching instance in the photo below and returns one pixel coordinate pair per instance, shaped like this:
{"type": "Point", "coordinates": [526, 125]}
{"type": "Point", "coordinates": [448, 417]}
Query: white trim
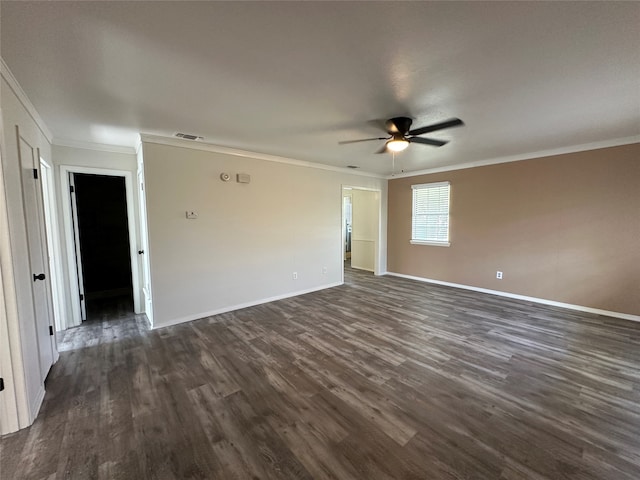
{"type": "Point", "coordinates": [35, 408]}
{"type": "Point", "coordinates": [417, 191]}
{"type": "Point", "coordinates": [617, 142]}
{"type": "Point", "coordinates": [15, 401]}
{"type": "Point", "coordinates": [100, 147]}
{"type": "Point", "coordinates": [253, 303]}
{"type": "Point", "coordinates": [24, 100]}
{"type": "Point", "coordinates": [50, 211]}
{"type": "Point", "coordinates": [367, 189]}
{"type": "Point", "coordinates": [431, 242]}
{"type": "Point", "coordinates": [209, 147]}
{"type": "Point", "coordinates": [68, 234]}
{"type": "Point", "coordinates": [377, 261]}
{"type": "Point", "coordinates": [420, 186]}
{"type": "Point", "coordinates": [343, 230]}
{"type": "Point", "coordinates": [570, 306]}
{"type": "Point", "coordinates": [138, 146]}
{"type": "Point", "coordinates": [76, 243]}
{"type": "Point", "coordinates": [8, 407]}
{"type": "Point", "coordinates": [145, 260]}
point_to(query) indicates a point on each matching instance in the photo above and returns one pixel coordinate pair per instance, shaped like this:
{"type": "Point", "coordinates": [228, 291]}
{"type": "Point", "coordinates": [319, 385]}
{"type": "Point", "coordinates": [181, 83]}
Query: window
{"type": "Point", "coordinates": [430, 214]}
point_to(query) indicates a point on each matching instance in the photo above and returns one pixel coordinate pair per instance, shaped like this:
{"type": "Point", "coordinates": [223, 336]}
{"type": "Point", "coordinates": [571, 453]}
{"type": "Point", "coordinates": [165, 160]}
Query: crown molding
{"type": "Point", "coordinates": [617, 142]}
{"type": "Point", "coordinates": [209, 147]}
{"type": "Point", "coordinates": [101, 147]}
{"type": "Point", "coordinates": [24, 99]}
{"type": "Point", "coordinates": [138, 146]}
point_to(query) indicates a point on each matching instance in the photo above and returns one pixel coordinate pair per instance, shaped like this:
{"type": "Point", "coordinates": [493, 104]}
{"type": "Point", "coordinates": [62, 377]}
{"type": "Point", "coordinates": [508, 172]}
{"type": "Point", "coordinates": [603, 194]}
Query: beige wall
{"type": "Point", "coordinates": [564, 228]}
{"type": "Point", "coordinates": [248, 239]}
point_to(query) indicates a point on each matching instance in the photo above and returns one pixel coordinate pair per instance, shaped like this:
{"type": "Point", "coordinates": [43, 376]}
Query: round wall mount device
{"type": "Point", "coordinates": [225, 177]}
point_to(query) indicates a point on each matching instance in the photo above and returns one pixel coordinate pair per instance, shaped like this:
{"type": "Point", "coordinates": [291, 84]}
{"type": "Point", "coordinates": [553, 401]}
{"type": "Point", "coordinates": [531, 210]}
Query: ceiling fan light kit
{"type": "Point", "coordinates": [401, 136]}
{"type": "Point", "coordinates": [397, 144]}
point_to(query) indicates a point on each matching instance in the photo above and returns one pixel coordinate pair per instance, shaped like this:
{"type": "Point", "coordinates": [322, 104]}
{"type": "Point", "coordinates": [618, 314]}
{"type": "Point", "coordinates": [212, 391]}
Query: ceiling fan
{"type": "Point", "coordinates": [401, 136]}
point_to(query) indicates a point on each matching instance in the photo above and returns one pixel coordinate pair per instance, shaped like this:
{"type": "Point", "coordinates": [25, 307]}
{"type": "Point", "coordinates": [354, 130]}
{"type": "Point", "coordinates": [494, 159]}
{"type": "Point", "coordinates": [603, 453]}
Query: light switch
{"type": "Point", "coordinates": [191, 215]}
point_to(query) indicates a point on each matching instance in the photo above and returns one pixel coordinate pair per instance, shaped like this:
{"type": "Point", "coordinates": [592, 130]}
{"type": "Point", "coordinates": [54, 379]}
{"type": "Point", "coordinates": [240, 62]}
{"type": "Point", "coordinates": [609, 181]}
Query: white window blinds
{"type": "Point", "coordinates": [430, 215]}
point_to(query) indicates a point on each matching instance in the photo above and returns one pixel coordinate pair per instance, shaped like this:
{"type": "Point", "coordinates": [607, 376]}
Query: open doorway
{"type": "Point", "coordinates": [99, 207]}
{"type": "Point", "coordinates": [101, 243]}
{"type": "Point", "coordinates": [361, 229]}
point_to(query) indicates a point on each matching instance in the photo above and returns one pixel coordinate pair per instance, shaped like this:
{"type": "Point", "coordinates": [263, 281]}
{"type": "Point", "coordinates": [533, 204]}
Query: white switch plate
{"type": "Point", "coordinates": [191, 215]}
{"type": "Point", "coordinates": [295, 275]}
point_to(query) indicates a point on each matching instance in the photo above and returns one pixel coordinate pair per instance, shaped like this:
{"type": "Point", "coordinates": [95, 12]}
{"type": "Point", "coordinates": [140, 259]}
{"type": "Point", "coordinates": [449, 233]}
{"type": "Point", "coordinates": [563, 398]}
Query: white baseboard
{"type": "Point", "coordinates": [570, 306]}
{"type": "Point", "coordinates": [197, 316]}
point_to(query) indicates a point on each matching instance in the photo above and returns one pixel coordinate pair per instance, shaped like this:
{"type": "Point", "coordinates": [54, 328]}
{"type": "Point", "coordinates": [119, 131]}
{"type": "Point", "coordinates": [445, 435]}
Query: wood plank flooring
{"type": "Point", "coordinates": [378, 379]}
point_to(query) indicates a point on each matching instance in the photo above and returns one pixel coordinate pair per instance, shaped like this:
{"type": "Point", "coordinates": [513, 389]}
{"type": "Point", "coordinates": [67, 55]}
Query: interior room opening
{"type": "Point", "coordinates": [102, 245]}
{"type": "Point", "coordinates": [360, 229]}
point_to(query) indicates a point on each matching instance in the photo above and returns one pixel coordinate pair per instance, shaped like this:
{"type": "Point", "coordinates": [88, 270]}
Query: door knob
{"type": "Point", "coordinates": [38, 277]}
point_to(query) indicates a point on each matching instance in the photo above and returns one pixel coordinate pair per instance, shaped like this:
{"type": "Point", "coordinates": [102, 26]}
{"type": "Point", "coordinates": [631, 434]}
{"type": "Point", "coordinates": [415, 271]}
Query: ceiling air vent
{"type": "Point", "coordinates": [188, 136]}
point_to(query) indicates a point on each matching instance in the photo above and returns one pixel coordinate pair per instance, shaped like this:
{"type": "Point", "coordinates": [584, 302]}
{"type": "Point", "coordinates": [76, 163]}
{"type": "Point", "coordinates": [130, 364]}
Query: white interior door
{"type": "Point", "coordinates": [32, 197]}
{"type": "Point", "coordinates": [53, 245]}
{"type": "Point", "coordinates": [76, 238]}
{"type": "Point", "coordinates": [143, 250]}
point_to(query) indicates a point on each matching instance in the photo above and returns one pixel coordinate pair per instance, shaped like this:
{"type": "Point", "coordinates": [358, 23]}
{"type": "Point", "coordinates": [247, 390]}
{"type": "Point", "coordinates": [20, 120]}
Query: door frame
{"type": "Point", "coordinates": [50, 211]}
{"type": "Point", "coordinates": [14, 408]}
{"type": "Point", "coordinates": [377, 260]}
{"type": "Point", "coordinates": [37, 251]}
{"type": "Point", "coordinates": [145, 269]}
{"type": "Point", "coordinates": [73, 201]}
{"type": "Point", "coordinates": [65, 170]}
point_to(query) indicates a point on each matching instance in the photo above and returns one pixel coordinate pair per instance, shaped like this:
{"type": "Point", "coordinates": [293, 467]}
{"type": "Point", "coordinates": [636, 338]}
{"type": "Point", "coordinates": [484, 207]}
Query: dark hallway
{"type": "Point", "coordinates": [104, 242]}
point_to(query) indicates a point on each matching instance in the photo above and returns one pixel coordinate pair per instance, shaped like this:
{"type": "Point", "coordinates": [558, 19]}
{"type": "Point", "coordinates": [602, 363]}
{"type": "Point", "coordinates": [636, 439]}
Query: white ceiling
{"type": "Point", "coordinates": [295, 78]}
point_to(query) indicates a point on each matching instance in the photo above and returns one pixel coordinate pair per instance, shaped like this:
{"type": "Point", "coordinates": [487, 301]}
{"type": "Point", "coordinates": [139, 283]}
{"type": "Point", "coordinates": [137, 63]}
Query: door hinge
{"type": "Point", "coordinates": [71, 189]}
{"type": "Point", "coordinates": [50, 330]}
{"type": "Point", "coordinates": [35, 173]}
{"type": "Point", "coordinates": [1, 384]}
{"type": "Point", "coordinates": [81, 297]}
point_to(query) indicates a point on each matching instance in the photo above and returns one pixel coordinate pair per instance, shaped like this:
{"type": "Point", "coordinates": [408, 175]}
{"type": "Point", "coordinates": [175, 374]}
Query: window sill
{"type": "Point", "coordinates": [435, 244]}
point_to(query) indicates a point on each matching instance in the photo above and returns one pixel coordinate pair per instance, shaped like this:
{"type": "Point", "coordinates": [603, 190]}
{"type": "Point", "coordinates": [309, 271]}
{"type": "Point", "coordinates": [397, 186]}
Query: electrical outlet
{"type": "Point", "coordinates": [499, 275]}
{"type": "Point", "coordinates": [295, 275]}
{"type": "Point", "coordinates": [191, 215]}
{"type": "Point", "coordinates": [324, 270]}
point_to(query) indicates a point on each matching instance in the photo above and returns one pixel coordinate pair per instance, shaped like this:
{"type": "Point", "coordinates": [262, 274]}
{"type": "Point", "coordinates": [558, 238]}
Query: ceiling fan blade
{"type": "Point", "coordinates": [363, 140]}
{"type": "Point", "coordinates": [428, 141]}
{"type": "Point", "coordinates": [383, 149]}
{"type": "Point", "coordinates": [453, 122]}
{"type": "Point", "coordinates": [378, 124]}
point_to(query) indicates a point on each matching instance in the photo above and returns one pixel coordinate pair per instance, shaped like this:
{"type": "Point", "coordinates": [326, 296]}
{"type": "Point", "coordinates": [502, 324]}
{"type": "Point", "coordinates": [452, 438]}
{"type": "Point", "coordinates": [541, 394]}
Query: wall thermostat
{"type": "Point", "coordinates": [225, 177]}
{"type": "Point", "coordinates": [243, 178]}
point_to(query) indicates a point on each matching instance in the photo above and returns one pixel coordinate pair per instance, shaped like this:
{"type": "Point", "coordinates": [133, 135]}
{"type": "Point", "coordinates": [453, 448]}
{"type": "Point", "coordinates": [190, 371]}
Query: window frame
{"type": "Point", "coordinates": [433, 241]}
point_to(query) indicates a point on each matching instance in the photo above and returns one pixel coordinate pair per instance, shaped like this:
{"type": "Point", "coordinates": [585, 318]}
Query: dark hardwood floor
{"type": "Point", "coordinates": [381, 378]}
